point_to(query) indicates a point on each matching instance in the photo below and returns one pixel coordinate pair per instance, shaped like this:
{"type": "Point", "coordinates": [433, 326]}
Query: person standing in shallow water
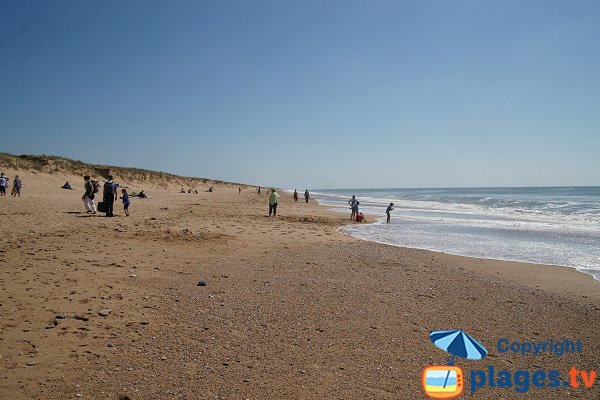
{"type": "Point", "coordinates": [388, 210]}
{"type": "Point", "coordinates": [353, 203]}
{"type": "Point", "coordinates": [110, 196]}
{"type": "Point", "coordinates": [273, 198]}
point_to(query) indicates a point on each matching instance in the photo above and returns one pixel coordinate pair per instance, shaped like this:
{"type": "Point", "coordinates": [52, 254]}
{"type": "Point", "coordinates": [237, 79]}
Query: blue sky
{"type": "Point", "coordinates": [309, 93]}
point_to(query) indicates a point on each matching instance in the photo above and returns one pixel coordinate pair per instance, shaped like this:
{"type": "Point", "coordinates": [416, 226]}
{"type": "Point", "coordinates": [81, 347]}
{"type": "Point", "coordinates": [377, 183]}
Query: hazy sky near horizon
{"type": "Point", "coordinates": [313, 94]}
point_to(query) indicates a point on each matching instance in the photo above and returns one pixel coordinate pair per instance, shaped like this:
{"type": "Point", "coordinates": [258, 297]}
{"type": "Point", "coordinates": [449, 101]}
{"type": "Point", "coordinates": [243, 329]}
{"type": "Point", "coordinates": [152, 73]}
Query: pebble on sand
{"type": "Point", "coordinates": [202, 282]}
{"type": "Point", "coordinates": [104, 312]}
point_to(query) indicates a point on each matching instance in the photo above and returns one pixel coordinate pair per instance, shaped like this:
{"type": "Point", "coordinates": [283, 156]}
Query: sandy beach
{"type": "Point", "coordinates": [292, 308]}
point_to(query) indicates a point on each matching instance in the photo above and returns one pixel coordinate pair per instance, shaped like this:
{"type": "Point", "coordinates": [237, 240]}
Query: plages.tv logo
{"type": "Point", "coordinates": [447, 381]}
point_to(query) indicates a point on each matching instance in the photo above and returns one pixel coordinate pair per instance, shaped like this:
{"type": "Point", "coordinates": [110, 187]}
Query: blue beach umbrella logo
{"type": "Point", "coordinates": [446, 382]}
{"type": "Point", "coordinates": [459, 344]}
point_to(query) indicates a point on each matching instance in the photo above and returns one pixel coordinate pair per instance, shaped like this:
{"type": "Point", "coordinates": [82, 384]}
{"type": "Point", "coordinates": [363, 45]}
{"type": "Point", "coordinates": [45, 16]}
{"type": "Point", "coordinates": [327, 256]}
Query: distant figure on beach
{"type": "Point", "coordinates": [195, 191]}
{"type": "Point", "coordinates": [67, 186]}
{"type": "Point", "coordinates": [306, 195]}
{"type": "Point", "coordinates": [273, 198]}
{"type": "Point", "coordinates": [258, 190]}
{"type": "Point", "coordinates": [142, 195]}
{"type": "Point", "coordinates": [210, 189]}
{"type": "Point", "coordinates": [295, 195]}
{"type": "Point", "coordinates": [182, 190]}
{"type": "Point", "coordinates": [109, 196]}
{"type": "Point", "coordinates": [239, 190]}
{"type": "Point", "coordinates": [17, 184]}
{"type": "Point", "coordinates": [360, 217]}
{"type": "Point", "coordinates": [3, 184]}
{"type": "Point", "coordinates": [89, 194]}
{"type": "Point", "coordinates": [126, 202]}
{"type": "Point", "coordinates": [353, 203]}
{"type": "Point", "coordinates": [190, 190]}
{"type": "Point", "coordinates": [389, 209]}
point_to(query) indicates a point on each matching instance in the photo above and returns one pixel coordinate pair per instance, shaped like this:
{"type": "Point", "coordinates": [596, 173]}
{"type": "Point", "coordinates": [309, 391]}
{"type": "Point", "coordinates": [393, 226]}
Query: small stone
{"type": "Point", "coordinates": [124, 397]}
{"type": "Point", "coordinates": [31, 363]}
{"type": "Point", "coordinates": [163, 358]}
{"type": "Point", "coordinates": [202, 282]}
{"type": "Point", "coordinates": [61, 316]}
{"type": "Point", "coordinates": [104, 312]}
{"type": "Point", "coordinates": [110, 344]}
{"type": "Point", "coordinates": [82, 318]}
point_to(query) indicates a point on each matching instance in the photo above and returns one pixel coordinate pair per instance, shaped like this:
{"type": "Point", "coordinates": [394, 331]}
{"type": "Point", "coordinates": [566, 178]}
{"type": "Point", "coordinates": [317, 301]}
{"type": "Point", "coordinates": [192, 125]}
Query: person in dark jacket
{"type": "Point", "coordinates": [109, 196]}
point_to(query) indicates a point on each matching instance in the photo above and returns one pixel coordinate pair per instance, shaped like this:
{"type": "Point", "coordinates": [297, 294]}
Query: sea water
{"type": "Point", "coordinates": [554, 225]}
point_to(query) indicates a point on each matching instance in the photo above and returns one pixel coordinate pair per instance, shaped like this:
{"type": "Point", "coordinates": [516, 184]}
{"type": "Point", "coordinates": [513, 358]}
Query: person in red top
{"type": "Point", "coordinates": [360, 217]}
{"type": "Point", "coordinates": [295, 195]}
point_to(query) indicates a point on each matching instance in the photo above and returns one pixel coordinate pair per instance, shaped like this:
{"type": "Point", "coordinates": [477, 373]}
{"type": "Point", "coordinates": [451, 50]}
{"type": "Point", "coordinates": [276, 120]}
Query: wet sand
{"type": "Point", "coordinates": [292, 308]}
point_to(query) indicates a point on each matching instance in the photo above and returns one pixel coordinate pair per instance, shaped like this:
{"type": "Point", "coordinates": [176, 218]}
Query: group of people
{"type": "Point", "coordinates": [306, 195]}
{"type": "Point", "coordinates": [274, 199]}
{"type": "Point", "coordinates": [359, 217]}
{"type": "Point", "coordinates": [109, 196]}
{"type": "Point", "coordinates": [4, 184]}
{"type": "Point", "coordinates": [355, 214]}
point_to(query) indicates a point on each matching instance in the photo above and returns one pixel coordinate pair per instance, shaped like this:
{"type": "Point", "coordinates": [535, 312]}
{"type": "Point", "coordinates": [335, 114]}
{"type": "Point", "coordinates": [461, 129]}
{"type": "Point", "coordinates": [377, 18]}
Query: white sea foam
{"type": "Point", "coordinates": [558, 226]}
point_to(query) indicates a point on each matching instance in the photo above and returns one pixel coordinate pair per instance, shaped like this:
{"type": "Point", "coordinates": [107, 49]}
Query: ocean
{"type": "Point", "coordinates": [545, 225]}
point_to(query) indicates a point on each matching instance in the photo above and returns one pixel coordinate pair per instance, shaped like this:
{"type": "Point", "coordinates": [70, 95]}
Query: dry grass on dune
{"type": "Point", "coordinates": [61, 165]}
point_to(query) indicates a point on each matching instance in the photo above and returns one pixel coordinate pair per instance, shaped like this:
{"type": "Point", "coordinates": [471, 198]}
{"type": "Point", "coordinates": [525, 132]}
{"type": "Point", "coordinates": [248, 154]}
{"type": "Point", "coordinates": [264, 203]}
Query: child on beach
{"type": "Point", "coordinates": [126, 202]}
{"type": "Point", "coordinates": [388, 210]}
{"type": "Point", "coordinates": [360, 217]}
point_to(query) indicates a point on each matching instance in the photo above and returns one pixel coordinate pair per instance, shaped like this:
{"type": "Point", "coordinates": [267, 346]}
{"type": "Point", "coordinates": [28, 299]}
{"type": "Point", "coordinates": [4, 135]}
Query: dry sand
{"type": "Point", "coordinates": [292, 309]}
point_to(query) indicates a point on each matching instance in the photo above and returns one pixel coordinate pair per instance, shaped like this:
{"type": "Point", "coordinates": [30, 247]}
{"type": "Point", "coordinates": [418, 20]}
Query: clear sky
{"type": "Point", "coordinates": [313, 94]}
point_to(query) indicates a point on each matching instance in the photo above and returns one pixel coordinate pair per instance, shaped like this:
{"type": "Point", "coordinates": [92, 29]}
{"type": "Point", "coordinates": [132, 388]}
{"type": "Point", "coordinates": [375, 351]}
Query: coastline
{"type": "Point", "coordinates": [551, 278]}
{"type": "Point", "coordinates": [293, 308]}
{"type": "Point", "coordinates": [548, 277]}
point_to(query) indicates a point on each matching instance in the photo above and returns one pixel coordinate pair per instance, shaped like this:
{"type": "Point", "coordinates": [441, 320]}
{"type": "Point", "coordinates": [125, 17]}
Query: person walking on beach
{"type": "Point", "coordinates": [353, 203]}
{"type": "Point", "coordinates": [258, 190]}
{"type": "Point", "coordinates": [389, 209]}
{"type": "Point", "coordinates": [126, 202]}
{"type": "Point", "coordinates": [109, 196]}
{"type": "Point", "coordinates": [295, 195]}
{"type": "Point", "coordinates": [3, 184]}
{"type": "Point", "coordinates": [88, 196]}
{"type": "Point", "coordinates": [240, 190]}
{"type": "Point", "coordinates": [17, 184]}
{"type": "Point", "coordinates": [306, 195]}
{"type": "Point", "coordinates": [273, 198]}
